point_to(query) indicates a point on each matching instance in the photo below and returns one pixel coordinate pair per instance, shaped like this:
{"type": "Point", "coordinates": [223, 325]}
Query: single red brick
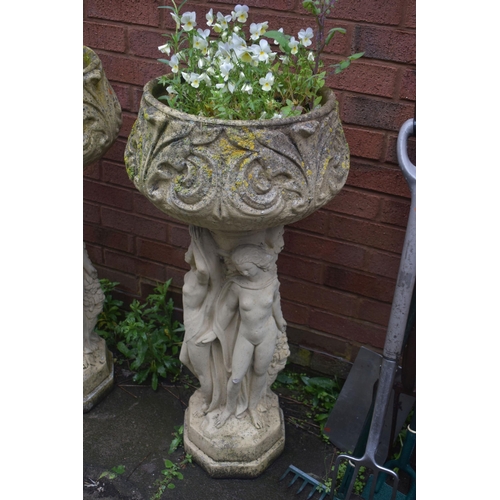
{"type": "Point", "coordinates": [385, 43]}
{"type": "Point", "coordinates": [95, 253]}
{"type": "Point", "coordinates": [318, 296]}
{"type": "Point", "coordinates": [91, 213]}
{"type": "Point", "coordinates": [145, 43]}
{"type": "Point", "coordinates": [324, 249]}
{"type": "Point", "coordinates": [295, 267]}
{"type": "Point", "coordinates": [375, 113]}
{"type": "Point", "coordinates": [375, 312]}
{"type": "Point", "coordinates": [375, 287]}
{"type": "Point", "coordinates": [382, 263]}
{"type": "Point", "coordinates": [116, 151]}
{"type": "Point", "coordinates": [295, 313]}
{"type": "Point", "coordinates": [127, 69]}
{"type": "Point", "coordinates": [315, 341]}
{"type": "Point", "coordinates": [348, 328]}
{"type": "Point", "coordinates": [123, 94]}
{"type": "Point", "coordinates": [128, 284]}
{"type": "Point", "coordinates": [104, 36]}
{"type": "Point", "coordinates": [365, 143]}
{"type": "Point", "coordinates": [134, 224]}
{"type": "Point", "coordinates": [134, 266]}
{"type": "Point", "coordinates": [355, 202]}
{"type": "Point", "coordinates": [114, 173]}
{"type": "Point", "coordinates": [179, 236]}
{"type": "Point", "coordinates": [107, 195]}
{"type": "Point", "coordinates": [128, 11]}
{"type": "Point", "coordinates": [365, 78]}
{"type": "Point", "coordinates": [93, 171]}
{"type": "Point", "coordinates": [317, 222]}
{"type": "Point", "coordinates": [408, 85]}
{"type": "Point", "coordinates": [410, 15]}
{"type": "Point", "coordinates": [109, 238]}
{"type": "Point", "coordinates": [367, 233]}
{"type": "Point", "coordinates": [160, 252]}
{"type": "Point", "coordinates": [128, 121]}
{"type": "Point", "coordinates": [374, 11]}
{"type": "Point", "coordinates": [394, 211]}
{"type": "Point", "coordinates": [378, 178]}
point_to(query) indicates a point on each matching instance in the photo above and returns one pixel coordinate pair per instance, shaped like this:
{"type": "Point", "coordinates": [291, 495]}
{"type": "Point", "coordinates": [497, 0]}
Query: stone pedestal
{"type": "Point", "coordinates": [237, 449]}
{"type": "Point", "coordinates": [101, 123]}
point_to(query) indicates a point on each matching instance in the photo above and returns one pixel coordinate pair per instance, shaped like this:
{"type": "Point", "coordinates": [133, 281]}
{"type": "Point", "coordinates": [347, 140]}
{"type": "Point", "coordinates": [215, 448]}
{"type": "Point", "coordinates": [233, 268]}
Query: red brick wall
{"type": "Point", "coordinates": [338, 267]}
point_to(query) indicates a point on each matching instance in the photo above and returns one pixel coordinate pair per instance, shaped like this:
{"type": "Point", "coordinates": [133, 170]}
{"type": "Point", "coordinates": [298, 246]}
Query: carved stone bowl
{"type": "Point", "coordinates": [236, 175]}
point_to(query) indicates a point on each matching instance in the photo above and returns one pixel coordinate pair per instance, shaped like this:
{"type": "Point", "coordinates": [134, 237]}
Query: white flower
{"type": "Point", "coordinates": [258, 30]}
{"type": "Point", "coordinates": [310, 56]}
{"type": "Point", "coordinates": [174, 63]}
{"type": "Point", "coordinates": [200, 43]}
{"type": "Point", "coordinates": [294, 45]}
{"type": "Point", "coordinates": [193, 79]}
{"type": "Point", "coordinates": [263, 50]}
{"type": "Point", "coordinates": [176, 19]}
{"type": "Point", "coordinates": [203, 33]}
{"type": "Point", "coordinates": [222, 21]}
{"type": "Point", "coordinates": [267, 82]}
{"type": "Point", "coordinates": [225, 69]}
{"type": "Point", "coordinates": [277, 115]}
{"type": "Point", "coordinates": [247, 88]}
{"type": "Point", "coordinates": [171, 90]}
{"type": "Point", "coordinates": [285, 59]}
{"type": "Point", "coordinates": [165, 49]}
{"type": "Point", "coordinates": [210, 17]}
{"type": "Point", "coordinates": [188, 21]}
{"type": "Point", "coordinates": [305, 37]}
{"type": "Point", "coordinates": [205, 78]}
{"type": "Point", "coordinates": [231, 86]}
{"type": "Point", "coordinates": [240, 13]}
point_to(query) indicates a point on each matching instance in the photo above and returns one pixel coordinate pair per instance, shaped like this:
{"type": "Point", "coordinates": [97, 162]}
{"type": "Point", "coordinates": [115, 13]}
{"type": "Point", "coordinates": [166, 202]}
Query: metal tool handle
{"type": "Point", "coordinates": [407, 268]}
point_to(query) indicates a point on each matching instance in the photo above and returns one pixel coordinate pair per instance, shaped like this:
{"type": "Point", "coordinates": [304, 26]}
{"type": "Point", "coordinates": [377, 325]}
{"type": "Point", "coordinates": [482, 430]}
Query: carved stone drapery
{"type": "Point", "coordinates": [101, 123]}
{"type": "Point", "coordinates": [236, 183]}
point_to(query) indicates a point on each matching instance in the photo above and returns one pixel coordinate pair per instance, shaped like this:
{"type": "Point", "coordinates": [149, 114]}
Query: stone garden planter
{"type": "Point", "coordinates": [236, 183]}
{"type": "Point", "coordinates": [101, 124]}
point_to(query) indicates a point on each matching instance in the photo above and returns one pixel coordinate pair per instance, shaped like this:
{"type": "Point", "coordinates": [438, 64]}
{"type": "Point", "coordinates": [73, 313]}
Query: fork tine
{"type": "Point", "coordinates": [304, 484]}
{"type": "Point", "coordinates": [293, 480]}
{"type": "Point", "coordinates": [353, 478]}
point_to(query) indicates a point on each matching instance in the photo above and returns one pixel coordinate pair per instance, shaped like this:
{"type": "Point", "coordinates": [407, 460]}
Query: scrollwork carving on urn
{"type": "Point", "coordinates": [248, 174]}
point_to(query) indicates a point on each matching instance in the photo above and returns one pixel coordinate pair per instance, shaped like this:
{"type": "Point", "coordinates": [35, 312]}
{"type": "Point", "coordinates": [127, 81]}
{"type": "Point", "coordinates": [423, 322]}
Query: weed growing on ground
{"type": "Point", "coordinates": [111, 314]}
{"type": "Point", "coordinates": [115, 471]}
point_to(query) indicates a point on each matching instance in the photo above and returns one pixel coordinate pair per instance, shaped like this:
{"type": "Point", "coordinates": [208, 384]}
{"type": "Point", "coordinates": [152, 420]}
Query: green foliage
{"type": "Point", "coordinates": [170, 473]}
{"type": "Point", "coordinates": [319, 392]}
{"type": "Point", "coordinates": [178, 438]}
{"type": "Point", "coordinates": [110, 315]}
{"type": "Point", "coordinates": [150, 337]}
{"type": "Point", "coordinates": [231, 71]}
{"type": "Point", "coordinates": [115, 471]}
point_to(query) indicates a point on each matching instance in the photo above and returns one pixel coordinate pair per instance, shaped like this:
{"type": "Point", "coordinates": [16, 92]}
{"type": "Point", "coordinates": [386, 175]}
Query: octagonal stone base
{"type": "Point", "coordinates": [98, 373]}
{"type": "Point", "coordinates": [238, 449]}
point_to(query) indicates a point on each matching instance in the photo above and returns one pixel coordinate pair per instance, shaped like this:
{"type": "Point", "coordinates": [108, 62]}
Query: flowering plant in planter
{"type": "Point", "coordinates": [239, 70]}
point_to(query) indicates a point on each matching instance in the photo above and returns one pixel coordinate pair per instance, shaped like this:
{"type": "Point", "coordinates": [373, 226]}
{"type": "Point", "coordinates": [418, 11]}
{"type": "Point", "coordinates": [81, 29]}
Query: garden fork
{"type": "Point", "coordinates": [395, 334]}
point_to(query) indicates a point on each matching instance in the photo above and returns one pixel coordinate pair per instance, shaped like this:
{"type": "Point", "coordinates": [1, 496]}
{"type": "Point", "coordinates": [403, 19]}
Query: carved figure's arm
{"type": "Point", "coordinates": [277, 313]}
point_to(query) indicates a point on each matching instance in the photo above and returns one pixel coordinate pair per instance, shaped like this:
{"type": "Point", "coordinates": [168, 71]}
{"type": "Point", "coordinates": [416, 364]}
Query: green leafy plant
{"type": "Point", "coordinates": [231, 71]}
{"type": "Point", "coordinates": [151, 337]}
{"type": "Point", "coordinates": [110, 315]}
{"type": "Point", "coordinates": [115, 471]}
{"type": "Point", "coordinates": [170, 473]}
{"type": "Point", "coordinates": [319, 393]}
{"type": "Point", "coordinates": [178, 438]}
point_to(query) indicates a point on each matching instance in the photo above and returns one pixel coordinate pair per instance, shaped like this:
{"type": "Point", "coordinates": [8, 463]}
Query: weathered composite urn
{"type": "Point", "coordinates": [101, 123]}
{"type": "Point", "coordinates": [236, 183]}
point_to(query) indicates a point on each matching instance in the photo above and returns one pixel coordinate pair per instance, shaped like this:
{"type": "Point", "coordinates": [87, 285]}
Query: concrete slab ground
{"type": "Point", "coordinates": [134, 426]}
